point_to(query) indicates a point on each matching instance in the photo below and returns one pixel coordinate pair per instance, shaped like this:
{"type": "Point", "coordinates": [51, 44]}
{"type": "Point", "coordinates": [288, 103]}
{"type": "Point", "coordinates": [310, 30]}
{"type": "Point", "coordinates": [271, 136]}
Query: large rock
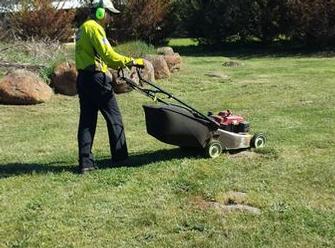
{"type": "Point", "coordinates": [165, 51]}
{"type": "Point", "coordinates": [120, 86]}
{"type": "Point", "coordinates": [64, 79]}
{"type": "Point", "coordinates": [23, 87]}
{"type": "Point", "coordinates": [160, 66]}
{"type": "Point", "coordinates": [148, 71]}
{"type": "Point", "coordinates": [173, 61]}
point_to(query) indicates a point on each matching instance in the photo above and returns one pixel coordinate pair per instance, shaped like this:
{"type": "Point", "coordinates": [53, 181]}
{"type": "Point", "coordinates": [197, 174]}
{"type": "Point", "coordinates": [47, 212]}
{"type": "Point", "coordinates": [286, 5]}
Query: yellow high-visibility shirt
{"type": "Point", "coordinates": [94, 51]}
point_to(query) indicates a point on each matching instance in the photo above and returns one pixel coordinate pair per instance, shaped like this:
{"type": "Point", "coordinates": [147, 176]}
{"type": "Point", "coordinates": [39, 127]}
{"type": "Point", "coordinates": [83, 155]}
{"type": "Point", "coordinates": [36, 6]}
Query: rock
{"type": "Point", "coordinates": [64, 79]}
{"type": "Point", "coordinates": [173, 61]}
{"type": "Point", "coordinates": [233, 202]}
{"type": "Point", "coordinates": [236, 208]}
{"type": "Point", "coordinates": [120, 86]}
{"type": "Point", "coordinates": [217, 75]}
{"type": "Point", "coordinates": [232, 64]}
{"type": "Point", "coordinates": [148, 71]}
{"type": "Point", "coordinates": [160, 66]}
{"type": "Point", "coordinates": [233, 197]}
{"type": "Point", "coordinates": [165, 51]}
{"type": "Point", "coordinates": [22, 87]}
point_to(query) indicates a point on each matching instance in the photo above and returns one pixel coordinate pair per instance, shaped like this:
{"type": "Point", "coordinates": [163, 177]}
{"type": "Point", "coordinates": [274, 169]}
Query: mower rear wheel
{"type": "Point", "coordinates": [214, 149]}
{"type": "Point", "coordinates": [258, 141]}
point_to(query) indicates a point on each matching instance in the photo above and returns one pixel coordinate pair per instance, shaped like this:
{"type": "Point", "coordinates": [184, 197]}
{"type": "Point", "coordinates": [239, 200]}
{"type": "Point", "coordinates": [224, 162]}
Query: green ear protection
{"type": "Point", "coordinates": [100, 13]}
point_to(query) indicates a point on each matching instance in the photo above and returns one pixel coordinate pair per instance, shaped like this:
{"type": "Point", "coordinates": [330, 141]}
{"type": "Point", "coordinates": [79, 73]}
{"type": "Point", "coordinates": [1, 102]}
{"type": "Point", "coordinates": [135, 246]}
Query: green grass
{"type": "Point", "coordinates": [135, 49]}
{"type": "Point", "coordinates": [183, 42]}
{"type": "Point", "coordinates": [157, 201]}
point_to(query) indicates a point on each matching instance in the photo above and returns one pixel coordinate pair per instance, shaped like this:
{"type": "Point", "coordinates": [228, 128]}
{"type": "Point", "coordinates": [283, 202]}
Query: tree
{"type": "Point", "coordinates": [39, 19]}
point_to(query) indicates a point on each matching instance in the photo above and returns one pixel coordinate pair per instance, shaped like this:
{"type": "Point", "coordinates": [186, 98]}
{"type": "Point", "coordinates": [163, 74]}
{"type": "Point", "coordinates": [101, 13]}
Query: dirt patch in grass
{"type": "Point", "coordinates": [230, 202]}
{"type": "Point", "coordinates": [266, 152]}
{"type": "Point", "coordinates": [244, 154]}
{"type": "Point", "coordinates": [217, 74]}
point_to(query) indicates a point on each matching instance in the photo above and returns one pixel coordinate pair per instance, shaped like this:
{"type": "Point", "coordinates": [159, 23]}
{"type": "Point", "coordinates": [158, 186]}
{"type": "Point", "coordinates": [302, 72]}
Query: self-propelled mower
{"type": "Point", "coordinates": [181, 125]}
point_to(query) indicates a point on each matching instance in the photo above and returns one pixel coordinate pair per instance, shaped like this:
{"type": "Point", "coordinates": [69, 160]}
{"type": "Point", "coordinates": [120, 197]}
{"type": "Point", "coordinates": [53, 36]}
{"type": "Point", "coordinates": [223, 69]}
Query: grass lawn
{"type": "Point", "coordinates": [163, 199]}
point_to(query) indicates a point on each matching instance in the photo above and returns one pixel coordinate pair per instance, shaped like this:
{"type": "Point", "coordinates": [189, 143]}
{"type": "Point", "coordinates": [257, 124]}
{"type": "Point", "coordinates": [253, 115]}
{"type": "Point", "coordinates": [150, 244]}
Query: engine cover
{"type": "Point", "coordinates": [232, 123]}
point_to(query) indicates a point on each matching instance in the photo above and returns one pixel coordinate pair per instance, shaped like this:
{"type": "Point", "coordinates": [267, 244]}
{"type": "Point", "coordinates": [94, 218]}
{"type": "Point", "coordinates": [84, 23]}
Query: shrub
{"type": "Point", "coordinates": [39, 19]}
{"type": "Point", "coordinates": [135, 49]}
{"type": "Point", "coordinates": [268, 19]}
{"type": "Point", "coordinates": [308, 21]}
{"type": "Point", "coordinates": [215, 21]}
{"type": "Point", "coordinates": [147, 20]}
{"type": "Point", "coordinates": [313, 21]}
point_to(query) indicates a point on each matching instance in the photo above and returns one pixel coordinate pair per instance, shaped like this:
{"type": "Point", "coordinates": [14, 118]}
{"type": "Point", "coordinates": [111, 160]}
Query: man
{"type": "Point", "coordinates": [94, 55]}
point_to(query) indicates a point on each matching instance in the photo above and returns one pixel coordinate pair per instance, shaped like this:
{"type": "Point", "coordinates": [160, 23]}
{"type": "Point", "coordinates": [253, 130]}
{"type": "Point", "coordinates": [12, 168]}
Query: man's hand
{"type": "Point", "coordinates": [139, 63]}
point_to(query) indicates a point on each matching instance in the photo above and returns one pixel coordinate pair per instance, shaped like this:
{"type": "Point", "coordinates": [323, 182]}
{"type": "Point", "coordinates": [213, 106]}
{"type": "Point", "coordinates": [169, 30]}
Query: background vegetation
{"type": "Point", "coordinates": [308, 23]}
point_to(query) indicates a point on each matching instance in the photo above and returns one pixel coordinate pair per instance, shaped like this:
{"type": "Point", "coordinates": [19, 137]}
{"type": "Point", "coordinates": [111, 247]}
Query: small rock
{"type": "Point", "coordinates": [236, 208]}
{"type": "Point", "coordinates": [217, 75]}
{"type": "Point", "coordinates": [64, 79]}
{"type": "Point", "coordinates": [23, 87]}
{"type": "Point", "coordinates": [234, 198]}
{"type": "Point", "coordinates": [306, 102]}
{"type": "Point", "coordinates": [233, 202]}
{"type": "Point", "coordinates": [165, 51]}
{"type": "Point", "coordinates": [232, 64]}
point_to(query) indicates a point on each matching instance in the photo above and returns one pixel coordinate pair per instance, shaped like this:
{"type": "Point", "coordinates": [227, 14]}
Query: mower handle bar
{"type": "Point", "coordinates": [151, 93]}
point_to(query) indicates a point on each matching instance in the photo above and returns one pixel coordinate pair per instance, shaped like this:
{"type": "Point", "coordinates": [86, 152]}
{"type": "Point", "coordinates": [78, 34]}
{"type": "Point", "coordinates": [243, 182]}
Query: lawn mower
{"type": "Point", "coordinates": [181, 125]}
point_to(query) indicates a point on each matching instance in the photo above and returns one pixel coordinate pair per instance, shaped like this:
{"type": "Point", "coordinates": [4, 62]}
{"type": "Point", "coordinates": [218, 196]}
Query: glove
{"type": "Point", "coordinates": [139, 63]}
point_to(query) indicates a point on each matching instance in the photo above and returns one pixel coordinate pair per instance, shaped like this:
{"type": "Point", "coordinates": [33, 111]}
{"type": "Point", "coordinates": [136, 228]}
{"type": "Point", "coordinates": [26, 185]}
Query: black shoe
{"type": "Point", "coordinates": [85, 169]}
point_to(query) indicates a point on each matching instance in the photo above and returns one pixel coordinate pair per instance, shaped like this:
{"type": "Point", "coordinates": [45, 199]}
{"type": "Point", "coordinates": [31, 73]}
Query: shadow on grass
{"type": "Point", "coordinates": [254, 50]}
{"type": "Point", "coordinates": [142, 159]}
{"type": "Point", "coordinates": [135, 160]}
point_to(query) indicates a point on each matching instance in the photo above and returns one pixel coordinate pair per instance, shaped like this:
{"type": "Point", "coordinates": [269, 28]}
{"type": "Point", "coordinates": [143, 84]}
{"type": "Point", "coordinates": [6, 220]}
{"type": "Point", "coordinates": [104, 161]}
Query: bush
{"type": "Point", "coordinates": [147, 20]}
{"type": "Point", "coordinates": [268, 19]}
{"type": "Point", "coordinates": [215, 21]}
{"type": "Point", "coordinates": [38, 19]}
{"type": "Point", "coordinates": [135, 49]}
{"type": "Point", "coordinates": [313, 21]}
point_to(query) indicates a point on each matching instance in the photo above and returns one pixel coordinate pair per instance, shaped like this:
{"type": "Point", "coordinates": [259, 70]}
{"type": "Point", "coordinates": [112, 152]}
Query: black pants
{"type": "Point", "coordinates": [95, 93]}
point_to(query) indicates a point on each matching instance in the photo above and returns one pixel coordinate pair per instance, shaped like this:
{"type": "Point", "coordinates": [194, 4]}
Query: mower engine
{"type": "Point", "coordinates": [231, 123]}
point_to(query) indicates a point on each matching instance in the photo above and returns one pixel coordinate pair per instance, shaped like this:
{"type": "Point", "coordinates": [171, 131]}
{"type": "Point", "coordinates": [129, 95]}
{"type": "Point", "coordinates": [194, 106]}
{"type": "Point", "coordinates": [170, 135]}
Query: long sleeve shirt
{"type": "Point", "coordinates": [93, 50]}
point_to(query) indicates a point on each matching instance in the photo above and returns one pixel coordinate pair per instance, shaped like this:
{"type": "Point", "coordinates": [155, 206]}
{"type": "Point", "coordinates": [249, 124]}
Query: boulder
{"type": "Point", "coordinates": [160, 66]}
{"type": "Point", "coordinates": [165, 51]}
{"type": "Point", "coordinates": [64, 79]}
{"type": "Point", "coordinates": [120, 86]}
{"type": "Point", "coordinates": [173, 61]}
{"type": "Point", "coordinates": [148, 71]}
{"type": "Point", "coordinates": [22, 87]}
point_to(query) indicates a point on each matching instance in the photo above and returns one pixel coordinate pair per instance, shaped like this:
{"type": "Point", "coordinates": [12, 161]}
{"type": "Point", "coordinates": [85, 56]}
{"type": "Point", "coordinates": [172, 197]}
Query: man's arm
{"type": "Point", "coordinates": [106, 52]}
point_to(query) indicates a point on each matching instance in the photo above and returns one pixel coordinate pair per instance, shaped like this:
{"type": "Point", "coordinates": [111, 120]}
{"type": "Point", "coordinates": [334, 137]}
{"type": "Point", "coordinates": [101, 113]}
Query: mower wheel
{"type": "Point", "coordinates": [214, 149]}
{"type": "Point", "coordinates": [258, 141]}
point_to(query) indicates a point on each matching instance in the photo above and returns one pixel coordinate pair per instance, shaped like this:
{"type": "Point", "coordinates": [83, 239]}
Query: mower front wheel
{"type": "Point", "coordinates": [258, 141]}
{"type": "Point", "coordinates": [214, 149]}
